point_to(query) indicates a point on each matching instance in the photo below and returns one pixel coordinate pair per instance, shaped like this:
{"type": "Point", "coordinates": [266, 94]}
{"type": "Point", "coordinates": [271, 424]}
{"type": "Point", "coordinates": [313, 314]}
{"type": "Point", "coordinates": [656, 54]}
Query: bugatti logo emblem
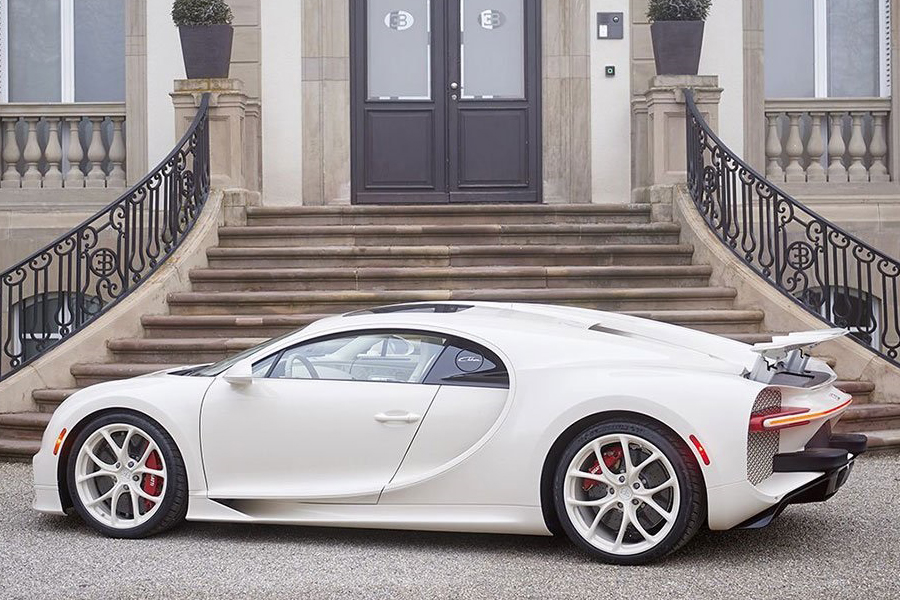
{"type": "Point", "coordinates": [399, 20]}
{"type": "Point", "coordinates": [103, 262]}
{"type": "Point", "coordinates": [469, 362]}
{"type": "Point", "coordinates": [491, 19]}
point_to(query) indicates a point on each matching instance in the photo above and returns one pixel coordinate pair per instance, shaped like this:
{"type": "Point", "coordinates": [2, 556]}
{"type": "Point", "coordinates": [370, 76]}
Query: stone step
{"type": "Point", "coordinates": [206, 326]}
{"type": "Point", "coordinates": [446, 278]}
{"type": "Point", "coordinates": [614, 299]}
{"type": "Point", "coordinates": [48, 399]}
{"type": "Point", "coordinates": [407, 235]}
{"type": "Point", "coordinates": [18, 450]}
{"type": "Point", "coordinates": [185, 351]}
{"type": "Point", "coordinates": [860, 390]}
{"type": "Point", "coordinates": [884, 440]}
{"type": "Point", "coordinates": [23, 426]}
{"type": "Point", "coordinates": [450, 256]}
{"type": "Point", "coordinates": [91, 373]}
{"type": "Point", "coordinates": [459, 213]}
{"type": "Point", "coordinates": [870, 417]}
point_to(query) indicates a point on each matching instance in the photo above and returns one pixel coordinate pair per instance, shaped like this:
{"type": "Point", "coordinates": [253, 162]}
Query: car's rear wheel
{"type": "Point", "coordinates": [628, 492]}
{"type": "Point", "coordinates": [126, 477]}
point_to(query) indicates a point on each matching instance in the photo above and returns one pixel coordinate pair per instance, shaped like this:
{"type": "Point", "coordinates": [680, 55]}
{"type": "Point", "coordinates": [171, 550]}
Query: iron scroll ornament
{"type": "Point", "coordinates": [63, 287]}
{"type": "Point", "coordinates": [828, 271]}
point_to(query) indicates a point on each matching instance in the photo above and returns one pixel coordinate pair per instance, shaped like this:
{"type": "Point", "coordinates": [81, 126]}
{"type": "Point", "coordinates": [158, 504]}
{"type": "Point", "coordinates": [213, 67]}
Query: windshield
{"type": "Point", "coordinates": [222, 366]}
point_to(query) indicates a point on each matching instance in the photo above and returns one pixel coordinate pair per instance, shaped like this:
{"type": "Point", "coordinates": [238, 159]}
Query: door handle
{"type": "Point", "coordinates": [454, 86]}
{"type": "Point", "coordinates": [398, 417]}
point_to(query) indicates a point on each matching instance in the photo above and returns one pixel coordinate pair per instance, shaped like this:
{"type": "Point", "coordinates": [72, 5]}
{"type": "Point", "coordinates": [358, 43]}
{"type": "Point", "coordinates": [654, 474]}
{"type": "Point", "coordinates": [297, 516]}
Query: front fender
{"type": "Point", "coordinates": [172, 401]}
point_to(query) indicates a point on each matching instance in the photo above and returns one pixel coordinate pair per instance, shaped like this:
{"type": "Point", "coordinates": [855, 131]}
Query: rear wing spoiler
{"type": "Point", "coordinates": [782, 359]}
{"type": "Point", "coordinates": [782, 345]}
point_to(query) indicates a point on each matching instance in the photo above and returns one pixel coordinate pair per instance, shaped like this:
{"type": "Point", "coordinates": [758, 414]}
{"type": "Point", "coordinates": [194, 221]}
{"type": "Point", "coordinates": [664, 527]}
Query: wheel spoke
{"type": "Point", "coordinates": [626, 455]}
{"type": "Point", "coordinates": [113, 507]}
{"type": "Point", "coordinates": [137, 490]}
{"type": "Point", "coordinates": [151, 447]}
{"type": "Point", "coordinates": [102, 498]}
{"type": "Point", "coordinates": [576, 502]}
{"type": "Point", "coordinates": [94, 475]}
{"type": "Point", "coordinates": [103, 465]}
{"type": "Point", "coordinates": [667, 516]}
{"type": "Point", "coordinates": [650, 492]}
{"type": "Point", "coordinates": [135, 505]}
{"type": "Point", "coordinates": [112, 444]}
{"type": "Point", "coordinates": [599, 516]}
{"type": "Point", "coordinates": [123, 453]}
{"type": "Point", "coordinates": [640, 529]}
{"type": "Point", "coordinates": [149, 471]}
{"type": "Point", "coordinates": [648, 461]}
{"type": "Point", "coordinates": [603, 468]}
{"type": "Point", "coordinates": [622, 528]}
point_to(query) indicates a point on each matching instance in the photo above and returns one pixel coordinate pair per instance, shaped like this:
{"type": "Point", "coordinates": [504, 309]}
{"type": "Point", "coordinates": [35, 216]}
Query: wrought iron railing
{"type": "Point", "coordinates": [828, 271]}
{"type": "Point", "coordinates": [69, 283]}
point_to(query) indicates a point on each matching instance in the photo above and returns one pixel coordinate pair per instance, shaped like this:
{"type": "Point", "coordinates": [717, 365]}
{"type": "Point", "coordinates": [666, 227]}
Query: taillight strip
{"type": "Point", "coordinates": [783, 420]}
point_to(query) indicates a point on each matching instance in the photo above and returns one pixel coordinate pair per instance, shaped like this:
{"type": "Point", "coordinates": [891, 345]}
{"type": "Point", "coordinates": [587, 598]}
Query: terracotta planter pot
{"type": "Point", "coordinates": [207, 51]}
{"type": "Point", "coordinates": [676, 46]}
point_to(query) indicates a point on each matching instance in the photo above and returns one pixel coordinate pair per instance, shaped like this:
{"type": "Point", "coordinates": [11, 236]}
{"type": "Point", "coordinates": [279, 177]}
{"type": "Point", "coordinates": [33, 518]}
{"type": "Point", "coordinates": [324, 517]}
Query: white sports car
{"type": "Point", "coordinates": [623, 433]}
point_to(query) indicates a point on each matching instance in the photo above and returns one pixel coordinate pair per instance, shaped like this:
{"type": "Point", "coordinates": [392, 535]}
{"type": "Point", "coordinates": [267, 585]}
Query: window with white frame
{"type": "Point", "coordinates": [62, 50]}
{"type": "Point", "coordinates": [827, 48]}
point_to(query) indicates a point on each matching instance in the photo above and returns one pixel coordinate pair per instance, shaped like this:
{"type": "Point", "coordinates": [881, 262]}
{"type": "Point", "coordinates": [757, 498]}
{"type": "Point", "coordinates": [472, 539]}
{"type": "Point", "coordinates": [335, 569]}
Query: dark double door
{"type": "Point", "coordinates": [445, 98]}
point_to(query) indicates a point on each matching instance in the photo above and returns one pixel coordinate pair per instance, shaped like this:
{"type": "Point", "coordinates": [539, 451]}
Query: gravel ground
{"type": "Point", "coordinates": [847, 547]}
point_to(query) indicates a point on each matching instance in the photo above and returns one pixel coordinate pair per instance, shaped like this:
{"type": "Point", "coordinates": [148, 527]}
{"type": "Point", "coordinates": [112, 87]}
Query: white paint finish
{"type": "Point", "coordinates": [164, 66]}
{"type": "Point", "coordinates": [268, 442]}
{"type": "Point", "coordinates": [458, 419]}
{"type": "Point", "coordinates": [610, 108]}
{"type": "Point", "coordinates": [67, 48]}
{"type": "Point", "coordinates": [282, 127]}
{"type": "Point", "coordinates": [325, 442]}
{"type": "Point", "coordinates": [723, 55]}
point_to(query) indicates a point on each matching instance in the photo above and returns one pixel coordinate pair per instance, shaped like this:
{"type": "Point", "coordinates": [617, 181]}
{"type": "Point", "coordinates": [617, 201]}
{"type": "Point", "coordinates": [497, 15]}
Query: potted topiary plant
{"type": "Point", "coordinates": [206, 37]}
{"type": "Point", "coordinates": [677, 32]}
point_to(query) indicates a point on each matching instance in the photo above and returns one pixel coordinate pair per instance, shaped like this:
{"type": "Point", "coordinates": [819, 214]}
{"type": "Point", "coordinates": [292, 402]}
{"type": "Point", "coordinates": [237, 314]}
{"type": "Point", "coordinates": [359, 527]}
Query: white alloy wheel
{"type": "Point", "coordinates": [120, 476]}
{"type": "Point", "coordinates": [621, 494]}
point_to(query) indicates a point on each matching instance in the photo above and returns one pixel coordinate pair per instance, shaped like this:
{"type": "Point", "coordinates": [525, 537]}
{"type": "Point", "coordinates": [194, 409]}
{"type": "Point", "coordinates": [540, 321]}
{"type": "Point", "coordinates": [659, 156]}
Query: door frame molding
{"type": "Point", "coordinates": [533, 77]}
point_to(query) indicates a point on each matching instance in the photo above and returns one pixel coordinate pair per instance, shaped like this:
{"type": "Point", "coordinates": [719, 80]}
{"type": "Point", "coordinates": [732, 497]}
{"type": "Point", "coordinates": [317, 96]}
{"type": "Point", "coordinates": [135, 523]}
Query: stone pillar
{"type": "Point", "coordinates": [232, 148]}
{"type": "Point", "coordinates": [666, 143]}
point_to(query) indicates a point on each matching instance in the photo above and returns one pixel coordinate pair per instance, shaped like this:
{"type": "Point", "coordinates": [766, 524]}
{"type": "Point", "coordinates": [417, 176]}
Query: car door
{"type": "Point", "coordinates": [328, 420]}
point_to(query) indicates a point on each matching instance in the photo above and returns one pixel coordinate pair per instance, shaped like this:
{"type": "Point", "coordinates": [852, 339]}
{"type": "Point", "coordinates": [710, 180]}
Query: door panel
{"type": "Point", "coordinates": [490, 153]}
{"type": "Point", "coordinates": [400, 148]}
{"type": "Point", "coordinates": [445, 108]}
{"type": "Point", "coordinates": [307, 439]}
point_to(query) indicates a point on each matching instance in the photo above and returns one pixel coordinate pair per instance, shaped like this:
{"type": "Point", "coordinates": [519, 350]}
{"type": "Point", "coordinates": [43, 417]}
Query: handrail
{"type": "Point", "coordinates": [66, 285]}
{"type": "Point", "coordinates": [818, 265]}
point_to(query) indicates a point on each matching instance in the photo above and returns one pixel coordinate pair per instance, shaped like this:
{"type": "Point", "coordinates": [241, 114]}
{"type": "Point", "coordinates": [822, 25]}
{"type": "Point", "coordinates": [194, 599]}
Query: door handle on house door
{"type": "Point", "coordinates": [454, 86]}
{"type": "Point", "coordinates": [397, 417]}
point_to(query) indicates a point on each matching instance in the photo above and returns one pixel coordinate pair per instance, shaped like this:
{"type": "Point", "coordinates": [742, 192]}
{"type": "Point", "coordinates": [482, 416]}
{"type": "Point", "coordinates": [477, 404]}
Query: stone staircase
{"type": "Point", "coordinates": [291, 266]}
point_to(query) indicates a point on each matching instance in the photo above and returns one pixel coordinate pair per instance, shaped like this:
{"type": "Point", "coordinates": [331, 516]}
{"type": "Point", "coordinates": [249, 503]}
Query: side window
{"type": "Point", "coordinates": [465, 363]}
{"type": "Point", "coordinates": [397, 357]}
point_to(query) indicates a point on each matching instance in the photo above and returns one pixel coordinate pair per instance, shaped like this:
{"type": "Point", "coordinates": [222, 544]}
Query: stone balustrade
{"type": "Point", "coordinates": [60, 146]}
{"type": "Point", "coordinates": [827, 140]}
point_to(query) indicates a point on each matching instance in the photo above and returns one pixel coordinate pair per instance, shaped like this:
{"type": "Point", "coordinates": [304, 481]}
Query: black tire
{"type": "Point", "coordinates": [692, 506]}
{"type": "Point", "coordinates": [174, 503]}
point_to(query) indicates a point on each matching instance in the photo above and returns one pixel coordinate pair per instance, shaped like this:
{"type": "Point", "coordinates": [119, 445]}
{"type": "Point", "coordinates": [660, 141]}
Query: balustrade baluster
{"type": "Point", "coordinates": [815, 147]}
{"type": "Point", "coordinates": [857, 149]}
{"type": "Point", "coordinates": [32, 156]}
{"type": "Point", "coordinates": [53, 178]}
{"type": "Point", "coordinates": [117, 154]}
{"type": "Point", "coordinates": [794, 150]}
{"type": "Point", "coordinates": [837, 172]}
{"type": "Point", "coordinates": [96, 178]}
{"type": "Point", "coordinates": [878, 148]}
{"type": "Point", "coordinates": [11, 177]}
{"type": "Point", "coordinates": [74, 177]}
{"type": "Point", "coordinates": [773, 149]}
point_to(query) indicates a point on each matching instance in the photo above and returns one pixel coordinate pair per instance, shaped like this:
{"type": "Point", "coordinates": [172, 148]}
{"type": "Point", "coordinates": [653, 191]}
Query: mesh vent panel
{"type": "Point", "coordinates": [762, 446]}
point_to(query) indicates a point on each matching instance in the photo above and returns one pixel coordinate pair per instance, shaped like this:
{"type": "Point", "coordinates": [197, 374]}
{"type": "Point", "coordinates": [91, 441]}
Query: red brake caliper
{"type": "Point", "coordinates": [152, 484]}
{"type": "Point", "coordinates": [610, 458]}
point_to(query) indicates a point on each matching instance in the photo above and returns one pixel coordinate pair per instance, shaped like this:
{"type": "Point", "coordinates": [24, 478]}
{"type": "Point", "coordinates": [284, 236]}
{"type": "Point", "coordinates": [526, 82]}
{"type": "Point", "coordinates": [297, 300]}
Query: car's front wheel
{"type": "Point", "coordinates": [126, 477]}
{"type": "Point", "coordinates": [628, 491]}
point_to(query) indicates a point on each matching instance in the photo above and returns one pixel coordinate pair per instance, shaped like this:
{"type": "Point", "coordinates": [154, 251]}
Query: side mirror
{"type": "Point", "coordinates": [240, 374]}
